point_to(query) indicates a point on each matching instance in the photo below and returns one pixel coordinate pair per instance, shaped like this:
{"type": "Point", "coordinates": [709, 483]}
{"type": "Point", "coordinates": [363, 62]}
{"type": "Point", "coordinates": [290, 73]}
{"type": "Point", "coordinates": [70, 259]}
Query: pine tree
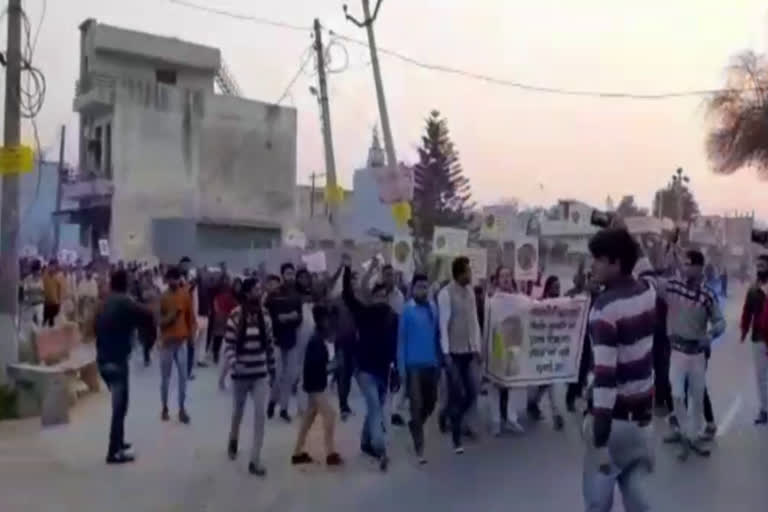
{"type": "Point", "coordinates": [442, 195]}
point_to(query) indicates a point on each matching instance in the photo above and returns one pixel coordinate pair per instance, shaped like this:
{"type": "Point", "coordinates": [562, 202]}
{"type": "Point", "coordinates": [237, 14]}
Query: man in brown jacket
{"type": "Point", "coordinates": [177, 324]}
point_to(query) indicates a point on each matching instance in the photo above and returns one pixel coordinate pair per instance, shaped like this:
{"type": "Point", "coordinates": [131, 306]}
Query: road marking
{"type": "Point", "coordinates": [730, 415]}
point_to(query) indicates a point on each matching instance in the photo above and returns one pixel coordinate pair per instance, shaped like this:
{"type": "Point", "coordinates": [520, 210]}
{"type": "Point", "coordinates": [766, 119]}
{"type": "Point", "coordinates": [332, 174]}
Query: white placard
{"type": "Point", "coordinates": [449, 241]}
{"type": "Point", "coordinates": [295, 238]}
{"type": "Point", "coordinates": [394, 184]}
{"type": "Point", "coordinates": [478, 262]}
{"type": "Point", "coordinates": [708, 231]}
{"type": "Point", "coordinates": [104, 247]}
{"type": "Point", "coordinates": [527, 259]}
{"type": "Point", "coordinates": [29, 251]}
{"type": "Point", "coordinates": [402, 254]}
{"type": "Point", "coordinates": [315, 261]}
{"type": "Point", "coordinates": [644, 225]}
{"type": "Point", "coordinates": [532, 342]}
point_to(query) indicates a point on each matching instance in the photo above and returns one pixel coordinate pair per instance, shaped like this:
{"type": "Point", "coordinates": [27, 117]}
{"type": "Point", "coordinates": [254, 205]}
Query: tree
{"type": "Point", "coordinates": [442, 195]}
{"type": "Point", "coordinates": [628, 208]}
{"type": "Point", "coordinates": [669, 205]}
{"type": "Point", "coordinates": [739, 137]}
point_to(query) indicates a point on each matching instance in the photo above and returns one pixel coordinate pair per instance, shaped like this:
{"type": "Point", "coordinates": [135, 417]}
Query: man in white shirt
{"type": "Point", "coordinates": [460, 340]}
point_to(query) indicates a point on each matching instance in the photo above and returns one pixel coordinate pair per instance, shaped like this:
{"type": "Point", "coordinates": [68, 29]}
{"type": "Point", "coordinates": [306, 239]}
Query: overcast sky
{"type": "Point", "coordinates": [510, 141]}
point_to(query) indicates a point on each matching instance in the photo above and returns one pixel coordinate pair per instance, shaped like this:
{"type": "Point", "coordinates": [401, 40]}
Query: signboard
{"type": "Point", "coordinates": [527, 259]}
{"type": "Point", "coordinates": [104, 247]}
{"type": "Point", "coordinates": [532, 342]}
{"type": "Point", "coordinates": [449, 241]}
{"type": "Point", "coordinates": [708, 231]}
{"type": "Point", "coordinates": [394, 184]}
{"type": "Point", "coordinates": [315, 261]}
{"type": "Point", "coordinates": [478, 262]}
{"type": "Point", "coordinates": [402, 254]}
{"type": "Point", "coordinates": [16, 159]}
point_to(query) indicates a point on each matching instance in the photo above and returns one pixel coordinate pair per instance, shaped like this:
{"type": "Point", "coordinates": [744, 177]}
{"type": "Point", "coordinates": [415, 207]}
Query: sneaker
{"type": "Point", "coordinates": [257, 469]}
{"type": "Point", "coordinates": [709, 433]}
{"type": "Point", "coordinates": [334, 459]}
{"type": "Point", "coordinates": [285, 416]}
{"type": "Point", "coordinates": [397, 420]}
{"type": "Point", "coordinates": [271, 410]}
{"type": "Point", "coordinates": [120, 458]}
{"type": "Point", "coordinates": [383, 463]}
{"type": "Point", "coordinates": [184, 417]}
{"type": "Point", "coordinates": [673, 438]}
{"type": "Point", "coordinates": [559, 422]}
{"type": "Point", "coordinates": [202, 364]}
{"type": "Point", "coordinates": [458, 450]}
{"type": "Point", "coordinates": [301, 458]}
{"type": "Point", "coordinates": [762, 418]}
{"type": "Point", "coordinates": [514, 426]}
{"type": "Point", "coordinates": [422, 460]}
{"type": "Point", "coordinates": [164, 415]}
{"type": "Point", "coordinates": [232, 449]}
{"type": "Point", "coordinates": [698, 449]}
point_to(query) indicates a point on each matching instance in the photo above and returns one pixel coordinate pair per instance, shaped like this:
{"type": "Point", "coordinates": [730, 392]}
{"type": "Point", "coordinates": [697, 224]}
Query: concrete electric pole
{"type": "Point", "coordinates": [9, 222]}
{"type": "Point", "coordinates": [330, 159]}
{"type": "Point", "coordinates": [367, 22]}
{"type": "Point", "coordinates": [60, 177]}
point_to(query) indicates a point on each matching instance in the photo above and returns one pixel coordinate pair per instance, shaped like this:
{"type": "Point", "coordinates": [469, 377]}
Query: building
{"type": "Point", "coordinates": [169, 167]}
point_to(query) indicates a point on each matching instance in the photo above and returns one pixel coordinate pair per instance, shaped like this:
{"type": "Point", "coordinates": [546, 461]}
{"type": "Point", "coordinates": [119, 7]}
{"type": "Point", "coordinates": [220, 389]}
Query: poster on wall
{"type": "Point", "coordinates": [449, 241]}
{"type": "Point", "coordinates": [527, 259]}
{"type": "Point", "coordinates": [533, 342]}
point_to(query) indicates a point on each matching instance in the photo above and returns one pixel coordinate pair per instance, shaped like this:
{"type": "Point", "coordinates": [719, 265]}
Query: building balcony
{"type": "Point", "coordinates": [94, 94]}
{"type": "Point", "coordinates": [90, 188]}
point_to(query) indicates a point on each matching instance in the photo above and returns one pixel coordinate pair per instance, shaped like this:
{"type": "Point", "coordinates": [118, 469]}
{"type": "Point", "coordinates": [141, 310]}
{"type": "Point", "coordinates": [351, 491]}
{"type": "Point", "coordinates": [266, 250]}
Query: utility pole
{"type": "Point", "coordinates": [330, 159]}
{"type": "Point", "coordinates": [60, 174]}
{"type": "Point", "coordinates": [367, 22]}
{"type": "Point", "coordinates": [679, 180]}
{"type": "Point", "coordinates": [9, 220]}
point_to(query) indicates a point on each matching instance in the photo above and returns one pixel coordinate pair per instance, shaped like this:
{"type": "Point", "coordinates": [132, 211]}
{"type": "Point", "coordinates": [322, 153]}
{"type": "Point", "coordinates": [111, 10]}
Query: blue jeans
{"type": "Point", "coordinates": [116, 378]}
{"type": "Point", "coordinates": [374, 390]}
{"type": "Point", "coordinates": [173, 352]}
{"type": "Point", "coordinates": [631, 466]}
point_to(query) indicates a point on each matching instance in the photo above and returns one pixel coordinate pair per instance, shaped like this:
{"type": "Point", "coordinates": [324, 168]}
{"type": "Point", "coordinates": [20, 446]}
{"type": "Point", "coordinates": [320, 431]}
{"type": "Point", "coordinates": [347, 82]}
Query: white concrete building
{"type": "Point", "coordinates": [167, 166]}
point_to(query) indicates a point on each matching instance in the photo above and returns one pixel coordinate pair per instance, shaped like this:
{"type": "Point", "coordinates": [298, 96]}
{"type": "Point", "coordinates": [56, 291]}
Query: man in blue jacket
{"type": "Point", "coordinates": [418, 358]}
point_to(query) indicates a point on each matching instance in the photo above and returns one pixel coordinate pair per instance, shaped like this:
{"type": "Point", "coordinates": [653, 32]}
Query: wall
{"type": "Point", "coordinates": [247, 162]}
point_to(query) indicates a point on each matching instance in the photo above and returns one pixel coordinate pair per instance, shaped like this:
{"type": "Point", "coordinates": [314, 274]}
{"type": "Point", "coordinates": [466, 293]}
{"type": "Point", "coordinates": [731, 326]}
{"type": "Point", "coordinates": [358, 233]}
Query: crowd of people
{"type": "Point", "coordinates": [284, 339]}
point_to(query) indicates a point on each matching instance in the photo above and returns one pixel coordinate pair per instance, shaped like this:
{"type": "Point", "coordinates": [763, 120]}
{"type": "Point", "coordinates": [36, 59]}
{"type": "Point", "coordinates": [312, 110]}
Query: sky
{"type": "Point", "coordinates": [513, 144]}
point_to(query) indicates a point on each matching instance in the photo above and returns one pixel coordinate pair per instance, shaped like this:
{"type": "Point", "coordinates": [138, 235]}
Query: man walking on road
{"type": "Point", "coordinates": [177, 323]}
{"type": "Point", "coordinates": [754, 304]}
{"type": "Point", "coordinates": [619, 420]}
{"type": "Point", "coordinates": [460, 341]}
{"type": "Point", "coordinates": [118, 318]}
{"type": "Point", "coordinates": [418, 357]}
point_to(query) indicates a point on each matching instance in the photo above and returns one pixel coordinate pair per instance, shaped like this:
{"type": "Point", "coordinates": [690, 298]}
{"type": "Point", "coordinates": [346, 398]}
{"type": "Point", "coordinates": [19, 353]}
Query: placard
{"type": "Point", "coordinates": [532, 342]}
{"type": "Point", "coordinates": [402, 254]}
{"type": "Point", "coordinates": [315, 261]}
{"type": "Point", "coordinates": [708, 231]}
{"type": "Point", "coordinates": [527, 259]}
{"type": "Point", "coordinates": [394, 184]}
{"type": "Point", "coordinates": [104, 247]}
{"type": "Point", "coordinates": [295, 238]}
{"type": "Point", "coordinates": [449, 241]}
{"type": "Point", "coordinates": [644, 225]}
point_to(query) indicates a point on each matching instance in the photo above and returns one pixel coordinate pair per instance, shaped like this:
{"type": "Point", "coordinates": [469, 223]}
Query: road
{"type": "Point", "coordinates": [186, 469]}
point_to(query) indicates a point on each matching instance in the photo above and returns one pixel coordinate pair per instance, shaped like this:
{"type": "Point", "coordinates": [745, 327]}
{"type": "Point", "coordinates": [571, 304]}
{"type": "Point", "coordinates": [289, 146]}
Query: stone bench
{"type": "Point", "coordinates": [48, 386]}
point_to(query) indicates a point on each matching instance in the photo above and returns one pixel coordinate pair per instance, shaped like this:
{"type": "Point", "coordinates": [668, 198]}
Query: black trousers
{"type": "Point", "coordinates": [662, 352]}
{"type": "Point", "coordinates": [421, 387]}
{"type": "Point", "coordinates": [216, 343]}
{"type": "Point", "coordinates": [345, 370]}
{"type": "Point", "coordinates": [50, 312]}
{"type": "Point", "coordinates": [462, 391]}
{"type": "Point", "coordinates": [116, 378]}
{"type": "Point", "coordinates": [190, 356]}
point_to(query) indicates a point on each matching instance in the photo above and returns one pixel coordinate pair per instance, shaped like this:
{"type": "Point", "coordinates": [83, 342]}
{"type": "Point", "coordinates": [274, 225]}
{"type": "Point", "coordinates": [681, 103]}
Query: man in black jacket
{"type": "Point", "coordinates": [376, 353]}
{"type": "Point", "coordinates": [750, 321]}
{"type": "Point", "coordinates": [115, 323]}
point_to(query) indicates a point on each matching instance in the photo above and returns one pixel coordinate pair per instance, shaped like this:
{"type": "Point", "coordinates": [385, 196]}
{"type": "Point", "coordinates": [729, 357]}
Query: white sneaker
{"type": "Point", "coordinates": [514, 427]}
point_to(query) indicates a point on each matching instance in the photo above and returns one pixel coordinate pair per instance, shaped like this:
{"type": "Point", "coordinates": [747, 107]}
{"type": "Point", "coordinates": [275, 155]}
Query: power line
{"type": "Point", "coordinates": [470, 74]}
{"type": "Point", "coordinates": [307, 57]}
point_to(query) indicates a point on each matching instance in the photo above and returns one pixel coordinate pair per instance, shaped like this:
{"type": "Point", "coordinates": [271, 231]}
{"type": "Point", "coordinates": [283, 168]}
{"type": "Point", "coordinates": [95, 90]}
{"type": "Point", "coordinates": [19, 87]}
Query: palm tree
{"type": "Point", "coordinates": [739, 137]}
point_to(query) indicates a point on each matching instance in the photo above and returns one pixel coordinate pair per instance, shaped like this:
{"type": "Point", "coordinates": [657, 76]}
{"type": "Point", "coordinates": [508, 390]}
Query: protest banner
{"type": "Point", "coordinates": [315, 262]}
{"type": "Point", "coordinates": [708, 231]}
{"type": "Point", "coordinates": [532, 342]}
{"type": "Point", "coordinates": [402, 254]}
{"type": "Point", "coordinates": [527, 259]}
{"type": "Point", "coordinates": [449, 241]}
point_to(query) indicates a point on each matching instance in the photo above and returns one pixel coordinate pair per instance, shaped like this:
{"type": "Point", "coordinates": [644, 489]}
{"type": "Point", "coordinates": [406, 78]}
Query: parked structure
{"type": "Point", "coordinates": [167, 166]}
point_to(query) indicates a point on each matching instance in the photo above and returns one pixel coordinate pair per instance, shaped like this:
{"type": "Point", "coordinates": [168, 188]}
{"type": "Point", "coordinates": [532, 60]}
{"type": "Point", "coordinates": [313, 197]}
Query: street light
{"type": "Point", "coordinates": [679, 180]}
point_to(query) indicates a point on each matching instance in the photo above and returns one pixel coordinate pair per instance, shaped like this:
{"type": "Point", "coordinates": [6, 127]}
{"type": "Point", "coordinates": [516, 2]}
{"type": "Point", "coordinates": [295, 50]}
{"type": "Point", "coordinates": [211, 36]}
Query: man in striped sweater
{"type": "Point", "coordinates": [617, 427]}
{"type": "Point", "coordinates": [250, 353]}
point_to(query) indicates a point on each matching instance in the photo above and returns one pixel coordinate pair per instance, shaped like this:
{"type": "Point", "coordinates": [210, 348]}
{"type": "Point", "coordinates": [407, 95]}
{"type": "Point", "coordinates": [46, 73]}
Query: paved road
{"type": "Point", "coordinates": [186, 469]}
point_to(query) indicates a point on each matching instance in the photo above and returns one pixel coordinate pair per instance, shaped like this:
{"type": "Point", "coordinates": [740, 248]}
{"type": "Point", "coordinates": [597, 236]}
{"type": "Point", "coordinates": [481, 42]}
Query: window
{"type": "Point", "coordinates": [165, 76]}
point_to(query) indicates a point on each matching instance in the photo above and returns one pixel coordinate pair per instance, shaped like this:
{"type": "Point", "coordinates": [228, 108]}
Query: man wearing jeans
{"type": "Point", "coordinates": [460, 341]}
{"type": "Point", "coordinates": [617, 426]}
{"type": "Point", "coordinates": [114, 327]}
{"type": "Point", "coordinates": [750, 320]}
{"type": "Point", "coordinates": [177, 324]}
{"type": "Point", "coordinates": [418, 358]}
